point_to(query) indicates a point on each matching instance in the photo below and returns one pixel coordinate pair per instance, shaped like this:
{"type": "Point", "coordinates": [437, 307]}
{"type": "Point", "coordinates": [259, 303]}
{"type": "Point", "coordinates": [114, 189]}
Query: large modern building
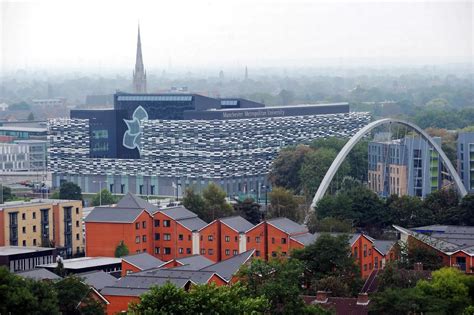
{"type": "Point", "coordinates": [158, 144]}
{"type": "Point", "coordinates": [466, 159]}
{"type": "Point", "coordinates": [41, 222]}
{"type": "Point", "coordinates": [407, 166]}
{"type": "Point", "coordinates": [23, 156]}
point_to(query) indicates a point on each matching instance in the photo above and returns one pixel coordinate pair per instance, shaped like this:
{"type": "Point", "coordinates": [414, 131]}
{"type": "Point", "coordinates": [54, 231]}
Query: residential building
{"type": "Point", "coordinates": [453, 244]}
{"type": "Point", "coordinates": [23, 156]}
{"type": "Point", "coordinates": [465, 157]}
{"type": "Point", "coordinates": [43, 222]}
{"type": "Point", "coordinates": [83, 265]}
{"type": "Point", "coordinates": [407, 166]}
{"type": "Point", "coordinates": [139, 262]}
{"type": "Point", "coordinates": [23, 258]}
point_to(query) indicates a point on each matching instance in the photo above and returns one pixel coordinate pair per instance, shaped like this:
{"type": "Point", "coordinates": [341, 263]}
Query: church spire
{"type": "Point", "coordinates": [139, 75]}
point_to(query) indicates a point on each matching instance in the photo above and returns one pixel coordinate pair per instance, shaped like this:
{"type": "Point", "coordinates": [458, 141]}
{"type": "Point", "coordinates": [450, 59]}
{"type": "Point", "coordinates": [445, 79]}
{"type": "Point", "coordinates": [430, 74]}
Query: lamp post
{"type": "Point", "coordinates": [100, 189]}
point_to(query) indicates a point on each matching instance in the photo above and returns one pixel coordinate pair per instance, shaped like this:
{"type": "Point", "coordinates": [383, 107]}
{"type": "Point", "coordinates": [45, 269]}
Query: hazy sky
{"type": "Point", "coordinates": [219, 33]}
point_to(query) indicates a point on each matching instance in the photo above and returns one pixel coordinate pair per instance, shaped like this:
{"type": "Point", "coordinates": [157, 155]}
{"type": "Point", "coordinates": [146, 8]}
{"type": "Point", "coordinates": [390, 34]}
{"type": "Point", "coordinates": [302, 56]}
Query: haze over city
{"type": "Point", "coordinates": [100, 35]}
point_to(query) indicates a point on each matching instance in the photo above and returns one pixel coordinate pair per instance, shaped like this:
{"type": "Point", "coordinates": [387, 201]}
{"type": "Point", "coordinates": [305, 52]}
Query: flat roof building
{"type": "Point", "coordinates": [18, 258]}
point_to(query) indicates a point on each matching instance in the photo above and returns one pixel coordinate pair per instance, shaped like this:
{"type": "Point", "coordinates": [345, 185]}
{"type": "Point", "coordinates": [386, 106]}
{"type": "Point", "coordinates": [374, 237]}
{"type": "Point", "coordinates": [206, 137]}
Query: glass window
{"type": "Point", "coordinates": [137, 239]}
{"type": "Point", "coordinates": [157, 236]}
{"type": "Point", "coordinates": [227, 238]}
{"type": "Point", "coordinates": [157, 223]}
{"type": "Point", "coordinates": [166, 223]}
{"type": "Point", "coordinates": [210, 238]}
{"type": "Point", "coordinates": [167, 250]}
{"type": "Point", "coordinates": [167, 237]}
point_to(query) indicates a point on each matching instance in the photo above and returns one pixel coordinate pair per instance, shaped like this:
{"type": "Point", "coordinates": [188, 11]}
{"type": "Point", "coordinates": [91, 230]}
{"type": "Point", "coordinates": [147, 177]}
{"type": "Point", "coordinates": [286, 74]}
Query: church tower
{"type": "Point", "coordinates": [139, 75]}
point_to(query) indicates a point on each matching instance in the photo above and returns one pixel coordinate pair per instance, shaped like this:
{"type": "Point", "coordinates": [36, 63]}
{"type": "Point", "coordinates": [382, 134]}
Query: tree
{"type": "Point", "coordinates": [443, 203]}
{"type": "Point", "coordinates": [121, 250]}
{"type": "Point", "coordinates": [408, 211]}
{"type": "Point", "coordinates": [283, 204]}
{"type": "Point", "coordinates": [414, 252]}
{"type": "Point", "coordinates": [71, 291]}
{"type": "Point", "coordinates": [59, 270]}
{"type": "Point", "coordinates": [70, 191]}
{"type": "Point", "coordinates": [249, 209]}
{"type": "Point", "coordinates": [6, 194]}
{"type": "Point", "coordinates": [330, 256]}
{"type": "Point", "coordinates": [216, 203]}
{"type": "Point", "coordinates": [466, 210]}
{"type": "Point", "coordinates": [285, 168]}
{"type": "Point", "coordinates": [201, 299]}
{"type": "Point", "coordinates": [329, 224]}
{"type": "Point", "coordinates": [104, 197]}
{"type": "Point", "coordinates": [194, 202]}
{"type": "Point", "coordinates": [31, 117]}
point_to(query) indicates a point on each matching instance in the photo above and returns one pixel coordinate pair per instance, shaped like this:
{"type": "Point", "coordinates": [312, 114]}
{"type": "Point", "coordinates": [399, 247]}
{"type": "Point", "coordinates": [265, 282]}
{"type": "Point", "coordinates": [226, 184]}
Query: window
{"type": "Point", "coordinates": [144, 224]}
{"type": "Point", "coordinates": [235, 252]}
{"type": "Point", "coordinates": [34, 215]}
{"type": "Point", "coordinates": [157, 250]}
{"type": "Point", "coordinates": [257, 239]}
{"type": "Point", "coordinates": [180, 237]}
{"type": "Point", "coordinates": [137, 225]}
{"type": "Point", "coordinates": [355, 252]}
{"type": "Point", "coordinates": [227, 238]}
{"type": "Point", "coordinates": [137, 251]}
{"type": "Point", "coordinates": [137, 239]}
{"type": "Point", "coordinates": [167, 237]}
{"type": "Point", "coordinates": [236, 238]}
{"type": "Point", "coordinates": [144, 238]}
{"type": "Point", "coordinates": [210, 251]}
{"type": "Point", "coordinates": [24, 243]}
{"type": "Point", "coordinates": [23, 230]}
{"type": "Point", "coordinates": [189, 237]}
{"type": "Point", "coordinates": [202, 238]}
{"type": "Point", "coordinates": [257, 253]}
{"type": "Point", "coordinates": [203, 251]}
{"type": "Point", "coordinates": [370, 251]}
{"type": "Point", "coordinates": [376, 262]}
{"type": "Point", "coordinates": [180, 250]}
{"type": "Point", "coordinates": [210, 238]}
{"type": "Point", "coordinates": [157, 223]}
{"type": "Point", "coordinates": [166, 223]}
{"type": "Point", "coordinates": [188, 251]}
{"type": "Point", "coordinates": [128, 271]}
{"type": "Point", "coordinates": [34, 242]}
{"type": "Point", "coordinates": [77, 236]}
{"type": "Point", "coordinates": [274, 254]}
{"type": "Point", "coordinates": [157, 236]}
{"type": "Point", "coordinates": [365, 250]}
{"type": "Point", "coordinates": [34, 228]}
{"type": "Point", "coordinates": [77, 223]}
{"type": "Point", "coordinates": [273, 240]}
{"type": "Point", "coordinates": [283, 240]}
{"type": "Point", "coordinates": [227, 252]}
{"type": "Point", "coordinates": [167, 251]}
{"type": "Point", "coordinates": [23, 216]}
{"type": "Point", "coordinates": [77, 210]}
{"type": "Point", "coordinates": [248, 239]}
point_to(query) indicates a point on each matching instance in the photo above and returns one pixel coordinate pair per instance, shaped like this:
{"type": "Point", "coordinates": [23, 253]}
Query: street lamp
{"type": "Point", "coordinates": [100, 189]}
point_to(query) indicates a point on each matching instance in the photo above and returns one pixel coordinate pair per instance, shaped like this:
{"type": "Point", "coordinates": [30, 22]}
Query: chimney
{"type": "Point", "coordinates": [362, 299]}
{"type": "Point", "coordinates": [418, 266]}
{"type": "Point", "coordinates": [321, 297]}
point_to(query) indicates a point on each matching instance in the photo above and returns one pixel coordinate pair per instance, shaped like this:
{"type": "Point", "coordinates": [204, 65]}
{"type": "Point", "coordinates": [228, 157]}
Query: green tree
{"type": "Point", "coordinates": [194, 202]}
{"type": "Point", "coordinates": [283, 204]}
{"type": "Point", "coordinates": [71, 291]}
{"type": "Point", "coordinates": [329, 224]}
{"type": "Point", "coordinates": [408, 211]}
{"type": "Point", "coordinates": [330, 256]}
{"type": "Point", "coordinates": [466, 210]}
{"type": "Point", "coordinates": [285, 168]}
{"type": "Point", "coordinates": [249, 209]}
{"type": "Point", "coordinates": [443, 204]}
{"type": "Point", "coordinates": [104, 197]}
{"type": "Point", "coordinates": [31, 117]}
{"type": "Point", "coordinates": [412, 253]}
{"type": "Point", "coordinates": [121, 250]}
{"type": "Point", "coordinates": [6, 194]}
{"type": "Point", "coordinates": [70, 191]}
{"type": "Point", "coordinates": [216, 203]}
{"type": "Point", "coordinates": [165, 299]}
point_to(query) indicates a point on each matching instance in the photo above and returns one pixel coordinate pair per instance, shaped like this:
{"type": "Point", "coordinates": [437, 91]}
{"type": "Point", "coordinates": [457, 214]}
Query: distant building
{"type": "Point", "coordinates": [60, 101]}
{"type": "Point", "coordinates": [139, 74]}
{"type": "Point", "coordinates": [465, 156]}
{"type": "Point", "coordinates": [88, 264]}
{"type": "Point", "coordinates": [23, 156]}
{"type": "Point", "coordinates": [42, 222]}
{"type": "Point", "coordinates": [407, 166]}
{"type": "Point", "coordinates": [3, 107]}
{"type": "Point", "coordinates": [23, 132]}
{"type": "Point", "coordinates": [22, 258]}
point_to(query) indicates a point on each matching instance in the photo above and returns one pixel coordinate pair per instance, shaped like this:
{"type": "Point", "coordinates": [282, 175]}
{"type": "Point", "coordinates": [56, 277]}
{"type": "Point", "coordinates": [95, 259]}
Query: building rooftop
{"type": "Point", "coordinates": [288, 226]}
{"type": "Point", "coordinates": [113, 214]}
{"type": "Point", "coordinates": [281, 107]}
{"type": "Point", "coordinates": [227, 268]}
{"type": "Point", "coordinates": [131, 285]}
{"type": "Point", "coordinates": [178, 213]}
{"type": "Point", "coordinates": [25, 129]}
{"type": "Point", "coordinates": [305, 239]}
{"type": "Point", "coordinates": [133, 202]}
{"type": "Point", "coordinates": [97, 279]}
{"type": "Point", "coordinates": [143, 261]}
{"type": "Point", "coordinates": [33, 202]}
{"type": "Point", "coordinates": [16, 250]}
{"type": "Point", "coordinates": [383, 246]}
{"type": "Point", "coordinates": [193, 224]}
{"type": "Point", "coordinates": [194, 262]}
{"type": "Point", "coordinates": [85, 262]}
{"type": "Point", "coordinates": [39, 274]}
{"type": "Point", "coordinates": [237, 223]}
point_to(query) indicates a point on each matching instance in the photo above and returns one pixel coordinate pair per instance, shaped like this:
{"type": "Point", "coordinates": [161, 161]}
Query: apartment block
{"type": "Point", "coordinates": [46, 223]}
{"type": "Point", "coordinates": [465, 156]}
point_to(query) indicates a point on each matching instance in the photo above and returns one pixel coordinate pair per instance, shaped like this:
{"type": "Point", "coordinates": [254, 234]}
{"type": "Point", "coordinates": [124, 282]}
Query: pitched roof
{"type": "Point", "coordinates": [178, 213]}
{"type": "Point", "coordinates": [39, 274]}
{"type": "Point", "coordinates": [98, 279]}
{"type": "Point", "coordinates": [306, 238]}
{"type": "Point", "coordinates": [194, 262]}
{"type": "Point", "coordinates": [227, 268]}
{"type": "Point", "coordinates": [437, 243]}
{"type": "Point", "coordinates": [193, 224]}
{"type": "Point", "coordinates": [288, 226]}
{"type": "Point", "coordinates": [113, 215]}
{"type": "Point", "coordinates": [459, 235]}
{"type": "Point", "coordinates": [133, 285]}
{"type": "Point", "coordinates": [133, 202]}
{"type": "Point", "coordinates": [237, 223]}
{"type": "Point", "coordinates": [143, 261]}
{"type": "Point", "coordinates": [383, 246]}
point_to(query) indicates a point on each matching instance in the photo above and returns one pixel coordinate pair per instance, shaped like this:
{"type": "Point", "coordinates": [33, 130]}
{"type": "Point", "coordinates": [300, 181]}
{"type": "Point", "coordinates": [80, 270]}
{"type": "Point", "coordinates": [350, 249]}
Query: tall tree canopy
{"type": "Point", "coordinates": [70, 191]}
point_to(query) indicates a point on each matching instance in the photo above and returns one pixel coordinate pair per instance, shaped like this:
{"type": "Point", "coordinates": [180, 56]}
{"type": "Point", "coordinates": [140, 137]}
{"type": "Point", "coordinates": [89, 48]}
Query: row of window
{"type": "Point", "coordinates": [365, 252]}
{"type": "Point", "coordinates": [33, 214]}
{"type": "Point", "coordinates": [166, 223]}
{"type": "Point", "coordinates": [167, 237]}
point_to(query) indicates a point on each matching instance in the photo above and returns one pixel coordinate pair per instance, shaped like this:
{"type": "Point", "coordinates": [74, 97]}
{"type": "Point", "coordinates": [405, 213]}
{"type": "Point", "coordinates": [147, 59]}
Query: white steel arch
{"type": "Point", "coordinates": [360, 134]}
